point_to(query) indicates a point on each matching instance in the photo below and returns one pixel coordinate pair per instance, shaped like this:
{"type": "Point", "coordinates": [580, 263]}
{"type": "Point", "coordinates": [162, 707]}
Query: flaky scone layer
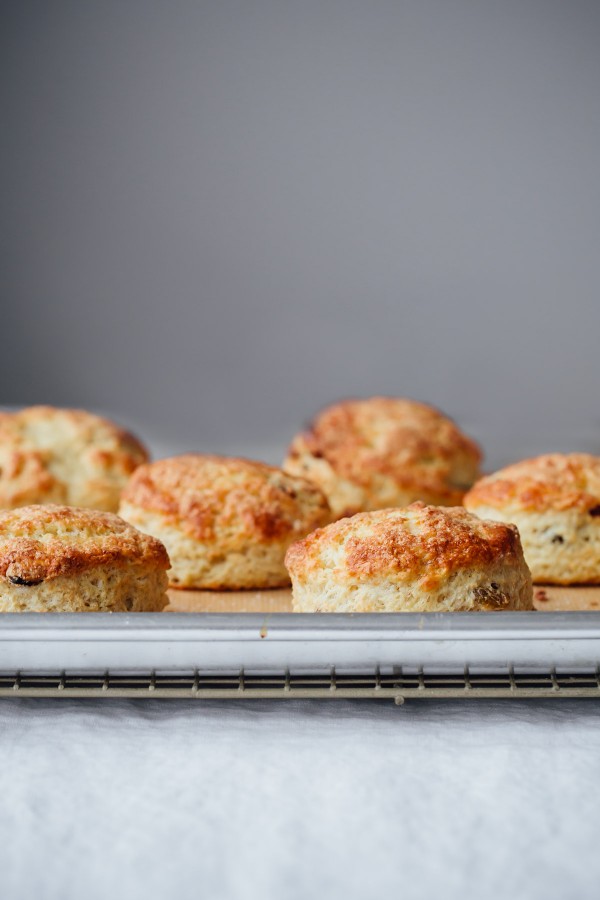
{"type": "Point", "coordinates": [384, 452]}
{"type": "Point", "coordinates": [417, 559]}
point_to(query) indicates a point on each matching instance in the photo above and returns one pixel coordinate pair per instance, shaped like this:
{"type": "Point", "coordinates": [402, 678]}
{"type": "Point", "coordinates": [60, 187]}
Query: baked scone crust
{"type": "Point", "coordinates": [64, 456]}
{"type": "Point", "coordinates": [383, 452]}
{"type": "Point", "coordinates": [554, 481]}
{"type": "Point", "coordinates": [69, 560]}
{"type": "Point", "coordinates": [421, 558]}
{"type": "Point", "coordinates": [554, 500]}
{"type": "Point", "coordinates": [226, 522]}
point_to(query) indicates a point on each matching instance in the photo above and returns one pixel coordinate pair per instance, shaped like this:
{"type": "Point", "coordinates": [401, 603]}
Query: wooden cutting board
{"type": "Point", "coordinates": [546, 599]}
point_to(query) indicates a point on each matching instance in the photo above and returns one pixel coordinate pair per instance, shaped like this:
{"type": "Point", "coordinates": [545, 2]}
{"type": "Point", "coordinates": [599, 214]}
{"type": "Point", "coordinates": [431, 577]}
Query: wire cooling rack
{"type": "Point", "coordinates": [285, 686]}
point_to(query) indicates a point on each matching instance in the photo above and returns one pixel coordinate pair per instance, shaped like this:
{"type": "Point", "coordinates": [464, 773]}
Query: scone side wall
{"type": "Point", "coordinates": [561, 548]}
{"type": "Point", "coordinates": [105, 588]}
{"type": "Point", "coordinates": [226, 563]}
{"type": "Point", "coordinates": [512, 590]}
{"type": "Point", "coordinates": [415, 559]}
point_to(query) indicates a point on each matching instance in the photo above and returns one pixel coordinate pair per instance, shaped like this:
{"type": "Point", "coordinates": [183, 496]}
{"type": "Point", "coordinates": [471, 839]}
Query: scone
{"type": "Point", "coordinates": [65, 456]}
{"type": "Point", "coordinates": [555, 502]}
{"type": "Point", "coordinates": [383, 452]}
{"type": "Point", "coordinates": [418, 559]}
{"type": "Point", "coordinates": [63, 559]}
{"type": "Point", "coordinates": [226, 522]}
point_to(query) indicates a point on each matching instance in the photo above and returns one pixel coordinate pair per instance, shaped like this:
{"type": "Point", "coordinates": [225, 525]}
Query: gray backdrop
{"type": "Point", "coordinates": [218, 216]}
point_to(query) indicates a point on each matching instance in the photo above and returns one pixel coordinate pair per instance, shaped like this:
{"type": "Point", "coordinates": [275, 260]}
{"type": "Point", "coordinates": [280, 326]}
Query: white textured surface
{"type": "Point", "coordinates": [148, 799]}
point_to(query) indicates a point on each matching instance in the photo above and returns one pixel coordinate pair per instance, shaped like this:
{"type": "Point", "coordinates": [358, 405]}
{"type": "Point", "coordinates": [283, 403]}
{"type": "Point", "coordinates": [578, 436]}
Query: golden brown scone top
{"type": "Point", "coordinates": [41, 542]}
{"type": "Point", "coordinates": [423, 543]}
{"type": "Point", "coordinates": [411, 443]}
{"type": "Point", "coordinates": [555, 481]}
{"type": "Point", "coordinates": [51, 455]}
{"type": "Point", "coordinates": [205, 494]}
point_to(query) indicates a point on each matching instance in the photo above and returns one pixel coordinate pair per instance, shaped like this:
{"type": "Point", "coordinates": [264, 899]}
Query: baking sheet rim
{"type": "Point", "coordinates": [259, 642]}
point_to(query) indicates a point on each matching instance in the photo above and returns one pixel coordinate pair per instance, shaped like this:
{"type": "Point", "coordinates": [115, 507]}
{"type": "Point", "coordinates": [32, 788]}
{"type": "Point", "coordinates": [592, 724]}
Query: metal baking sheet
{"type": "Point", "coordinates": [231, 643]}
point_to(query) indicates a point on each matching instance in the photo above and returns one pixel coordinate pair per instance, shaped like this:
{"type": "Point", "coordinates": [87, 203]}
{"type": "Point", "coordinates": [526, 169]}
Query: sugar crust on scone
{"type": "Point", "coordinates": [226, 522]}
{"type": "Point", "coordinates": [383, 452]}
{"type": "Point", "coordinates": [64, 456]}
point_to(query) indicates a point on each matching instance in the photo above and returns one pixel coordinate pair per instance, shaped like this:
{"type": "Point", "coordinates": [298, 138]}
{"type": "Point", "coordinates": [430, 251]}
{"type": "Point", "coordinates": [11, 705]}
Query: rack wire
{"type": "Point", "coordinates": [288, 686]}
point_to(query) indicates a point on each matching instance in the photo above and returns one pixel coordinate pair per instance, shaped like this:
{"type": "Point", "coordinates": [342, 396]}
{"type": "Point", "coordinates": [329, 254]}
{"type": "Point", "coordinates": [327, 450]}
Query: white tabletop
{"type": "Point", "coordinates": [289, 799]}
